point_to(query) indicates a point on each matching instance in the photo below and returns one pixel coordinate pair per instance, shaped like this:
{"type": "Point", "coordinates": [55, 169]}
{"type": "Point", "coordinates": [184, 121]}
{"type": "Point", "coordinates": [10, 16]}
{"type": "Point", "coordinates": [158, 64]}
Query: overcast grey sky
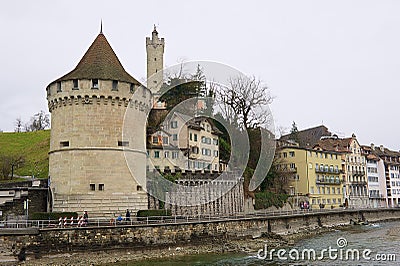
{"type": "Point", "coordinates": [331, 61]}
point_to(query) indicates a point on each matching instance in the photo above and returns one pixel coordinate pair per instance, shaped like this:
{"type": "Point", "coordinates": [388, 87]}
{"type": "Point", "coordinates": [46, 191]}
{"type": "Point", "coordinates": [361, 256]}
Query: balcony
{"type": "Point", "coordinates": [359, 183]}
{"type": "Point", "coordinates": [358, 173]}
{"type": "Point", "coordinates": [376, 196]}
{"type": "Point", "coordinates": [290, 170]}
{"type": "Point", "coordinates": [327, 171]}
{"type": "Point", "coordinates": [329, 181]}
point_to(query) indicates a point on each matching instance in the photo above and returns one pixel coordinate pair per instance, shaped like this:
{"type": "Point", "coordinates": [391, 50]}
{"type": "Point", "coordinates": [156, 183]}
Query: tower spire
{"type": "Point", "coordinates": [101, 26]}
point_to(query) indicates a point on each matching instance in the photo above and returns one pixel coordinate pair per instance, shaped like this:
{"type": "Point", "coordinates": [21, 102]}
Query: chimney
{"type": "Point", "coordinates": [372, 146]}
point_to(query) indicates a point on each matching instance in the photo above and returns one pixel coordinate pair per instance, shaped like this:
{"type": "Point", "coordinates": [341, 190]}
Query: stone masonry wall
{"type": "Point", "coordinates": [152, 236]}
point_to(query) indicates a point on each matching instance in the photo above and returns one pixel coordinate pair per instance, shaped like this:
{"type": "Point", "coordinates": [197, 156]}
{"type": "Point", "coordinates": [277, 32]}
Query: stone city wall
{"type": "Point", "coordinates": [54, 240]}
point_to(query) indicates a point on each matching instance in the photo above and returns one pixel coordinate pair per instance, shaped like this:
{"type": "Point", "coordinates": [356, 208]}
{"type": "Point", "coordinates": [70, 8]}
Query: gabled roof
{"type": "Point", "coordinates": [334, 144]}
{"type": "Point", "coordinates": [99, 62]}
{"type": "Point", "coordinates": [309, 137]}
{"type": "Point", "coordinates": [388, 156]}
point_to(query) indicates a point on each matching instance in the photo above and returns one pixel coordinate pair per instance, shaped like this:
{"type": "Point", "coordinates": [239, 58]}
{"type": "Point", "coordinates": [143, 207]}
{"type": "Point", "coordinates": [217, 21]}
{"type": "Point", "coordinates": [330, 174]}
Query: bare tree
{"type": "Point", "coordinates": [39, 121]}
{"type": "Point", "coordinates": [18, 125]}
{"type": "Point", "coordinates": [247, 98]}
{"type": "Point", "coordinates": [8, 163]}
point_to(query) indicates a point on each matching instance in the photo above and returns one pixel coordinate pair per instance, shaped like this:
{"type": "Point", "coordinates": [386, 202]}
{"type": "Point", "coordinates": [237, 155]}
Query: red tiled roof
{"type": "Point", "coordinates": [309, 137]}
{"type": "Point", "coordinates": [99, 62]}
{"type": "Point", "coordinates": [334, 144]}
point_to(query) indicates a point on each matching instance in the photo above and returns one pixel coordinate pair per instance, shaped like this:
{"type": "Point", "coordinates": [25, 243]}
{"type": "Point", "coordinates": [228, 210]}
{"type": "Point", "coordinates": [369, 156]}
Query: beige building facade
{"type": "Point", "coordinates": [314, 176]}
{"type": "Point", "coordinates": [185, 144]}
{"type": "Point", "coordinates": [354, 166]}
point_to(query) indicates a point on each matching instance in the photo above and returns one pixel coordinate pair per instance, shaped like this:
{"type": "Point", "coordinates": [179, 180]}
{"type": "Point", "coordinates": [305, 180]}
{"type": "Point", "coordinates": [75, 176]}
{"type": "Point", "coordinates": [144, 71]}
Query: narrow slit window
{"type": "Point", "coordinates": [58, 86]}
{"type": "Point", "coordinates": [64, 144]}
{"type": "Point", "coordinates": [95, 83]}
{"type": "Point", "coordinates": [115, 85]}
{"type": "Point", "coordinates": [76, 84]}
{"type": "Point", "coordinates": [123, 143]}
{"type": "Point", "coordinates": [132, 88]}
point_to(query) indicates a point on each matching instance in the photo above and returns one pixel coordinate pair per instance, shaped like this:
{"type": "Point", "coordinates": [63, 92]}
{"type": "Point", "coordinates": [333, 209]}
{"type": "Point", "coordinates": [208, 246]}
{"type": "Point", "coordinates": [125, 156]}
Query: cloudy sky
{"type": "Point", "coordinates": [331, 62]}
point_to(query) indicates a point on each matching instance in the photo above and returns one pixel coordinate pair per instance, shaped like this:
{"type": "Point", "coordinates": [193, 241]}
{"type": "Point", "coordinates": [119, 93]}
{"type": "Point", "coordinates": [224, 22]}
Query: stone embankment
{"type": "Point", "coordinates": [85, 246]}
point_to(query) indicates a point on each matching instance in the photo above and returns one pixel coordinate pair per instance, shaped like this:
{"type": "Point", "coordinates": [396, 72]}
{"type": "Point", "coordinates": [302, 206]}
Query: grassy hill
{"type": "Point", "coordinates": [33, 146]}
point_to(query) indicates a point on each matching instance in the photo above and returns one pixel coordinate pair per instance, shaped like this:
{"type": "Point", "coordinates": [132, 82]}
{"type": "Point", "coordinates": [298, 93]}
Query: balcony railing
{"type": "Point", "coordinates": [329, 181]}
{"type": "Point", "coordinates": [358, 182]}
{"type": "Point", "coordinates": [376, 196]}
{"type": "Point", "coordinates": [358, 173]}
{"type": "Point", "coordinates": [327, 171]}
{"type": "Point", "coordinates": [289, 170]}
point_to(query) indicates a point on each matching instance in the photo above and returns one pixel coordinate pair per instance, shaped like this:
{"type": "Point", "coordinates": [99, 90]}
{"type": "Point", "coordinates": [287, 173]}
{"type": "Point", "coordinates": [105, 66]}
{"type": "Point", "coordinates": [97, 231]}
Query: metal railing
{"type": "Point", "coordinates": [177, 219]}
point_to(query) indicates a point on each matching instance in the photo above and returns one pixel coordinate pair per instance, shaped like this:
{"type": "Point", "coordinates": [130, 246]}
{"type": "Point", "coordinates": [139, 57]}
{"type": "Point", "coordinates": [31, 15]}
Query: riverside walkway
{"type": "Point", "coordinates": [167, 220]}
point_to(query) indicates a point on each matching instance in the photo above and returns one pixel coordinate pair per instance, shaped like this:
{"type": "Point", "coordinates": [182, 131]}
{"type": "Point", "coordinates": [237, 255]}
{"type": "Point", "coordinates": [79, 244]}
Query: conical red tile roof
{"type": "Point", "coordinates": [99, 62]}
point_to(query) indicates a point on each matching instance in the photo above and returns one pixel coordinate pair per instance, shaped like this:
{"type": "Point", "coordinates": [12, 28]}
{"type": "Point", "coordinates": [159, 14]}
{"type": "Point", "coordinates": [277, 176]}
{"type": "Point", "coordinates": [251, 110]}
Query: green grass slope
{"type": "Point", "coordinates": [33, 146]}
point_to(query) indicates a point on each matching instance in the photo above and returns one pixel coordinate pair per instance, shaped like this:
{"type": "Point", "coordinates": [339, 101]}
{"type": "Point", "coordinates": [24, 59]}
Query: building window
{"type": "Point", "coordinates": [75, 84]}
{"type": "Point", "coordinates": [195, 137]}
{"type": "Point", "coordinates": [190, 136]}
{"type": "Point", "coordinates": [59, 87]}
{"type": "Point", "coordinates": [175, 155]}
{"type": "Point", "coordinates": [166, 154]}
{"type": "Point", "coordinates": [139, 188]}
{"type": "Point", "coordinates": [174, 124]}
{"type": "Point", "coordinates": [115, 85]}
{"type": "Point", "coordinates": [92, 187]}
{"type": "Point", "coordinates": [64, 144]}
{"type": "Point", "coordinates": [215, 141]}
{"type": "Point", "coordinates": [95, 83]}
{"type": "Point", "coordinates": [284, 155]}
{"type": "Point", "coordinates": [156, 154]}
{"type": "Point", "coordinates": [155, 139]}
{"type": "Point", "coordinates": [132, 88]}
{"type": "Point", "coordinates": [123, 143]}
{"type": "Point", "coordinates": [101, 187]}
{"type": "Point", "coordinates": [215, 153]}
{"type": "Point", "coordinates": [165, 140]}
{"type": "Point", "coordinates": [291, 154]}
{"type": "Point", "coordinates": [175, 137]}
{"type": "Point", "coordinates": [195, 150]}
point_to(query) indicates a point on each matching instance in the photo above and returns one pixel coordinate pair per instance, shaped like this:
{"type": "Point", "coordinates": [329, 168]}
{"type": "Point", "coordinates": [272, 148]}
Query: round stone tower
{"type": "Point", "coordinates": [87, 166]}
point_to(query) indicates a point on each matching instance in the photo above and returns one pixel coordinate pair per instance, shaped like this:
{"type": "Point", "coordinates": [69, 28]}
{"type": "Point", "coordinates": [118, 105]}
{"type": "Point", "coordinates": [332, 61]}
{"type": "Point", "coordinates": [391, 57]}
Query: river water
{"type": "Point", "coordinates": [374, 244]}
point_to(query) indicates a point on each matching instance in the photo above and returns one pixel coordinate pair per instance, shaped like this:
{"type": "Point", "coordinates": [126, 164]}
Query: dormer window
{"type": "Point", "coordinates": [115, 85]}
{"type": "Point", "coordinates": [95, 83]}
{"type": "Point", "coordinates": [76, 84]}
{"type": "Point", "coordinates": [132, 88]}
{"type": "Point", "coordinates": [58, 86]}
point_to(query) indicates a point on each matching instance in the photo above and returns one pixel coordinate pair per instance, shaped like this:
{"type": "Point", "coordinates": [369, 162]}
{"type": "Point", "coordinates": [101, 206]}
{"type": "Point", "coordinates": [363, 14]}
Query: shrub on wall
{"type": "Point", "coordinates": [146, 213]}
{"type": "Point", "coordinates": [52, 215]}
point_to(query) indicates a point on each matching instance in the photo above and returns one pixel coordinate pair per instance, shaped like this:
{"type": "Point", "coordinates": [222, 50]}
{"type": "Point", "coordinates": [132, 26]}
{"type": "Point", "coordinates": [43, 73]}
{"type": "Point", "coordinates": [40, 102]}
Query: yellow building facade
{"type": "Point", "coordinates": [314, 176]}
